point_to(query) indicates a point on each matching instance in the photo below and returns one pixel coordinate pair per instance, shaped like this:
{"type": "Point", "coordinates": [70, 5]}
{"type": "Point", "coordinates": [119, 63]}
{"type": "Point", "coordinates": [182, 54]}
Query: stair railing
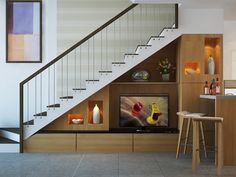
{"type": "Point", "coordinates": [90, 58]}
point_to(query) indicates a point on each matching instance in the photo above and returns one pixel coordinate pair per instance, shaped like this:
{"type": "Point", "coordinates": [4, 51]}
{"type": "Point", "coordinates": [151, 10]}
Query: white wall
{"type": "Point", "coordinates": [76, 19]}
{"type": "Point", "coordinates": [229, 66]}
{"type": "Point", "coordinates": [11, 74]}
{"type": "Point", "coordinates": [200, 21]}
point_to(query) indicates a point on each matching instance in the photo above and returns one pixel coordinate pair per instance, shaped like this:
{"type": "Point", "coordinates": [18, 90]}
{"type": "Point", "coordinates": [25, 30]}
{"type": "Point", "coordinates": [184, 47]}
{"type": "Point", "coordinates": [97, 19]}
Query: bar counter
{"type": "Point", "coordinates": [223, 106]}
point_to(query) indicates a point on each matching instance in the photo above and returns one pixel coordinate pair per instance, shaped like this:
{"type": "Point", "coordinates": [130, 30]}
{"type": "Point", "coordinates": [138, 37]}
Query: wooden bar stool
{"type": "Point", "coordinates": [185, 115]}
{"type": "Point", "coordinates": [218, 143]}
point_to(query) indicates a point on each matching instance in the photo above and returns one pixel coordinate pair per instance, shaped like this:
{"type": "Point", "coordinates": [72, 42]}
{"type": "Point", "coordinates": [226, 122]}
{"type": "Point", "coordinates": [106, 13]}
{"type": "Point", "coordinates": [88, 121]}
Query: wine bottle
{"type": "Point", "coordinates": [206, 88]}
{"type": "Point", "coordinates": [217, 86]}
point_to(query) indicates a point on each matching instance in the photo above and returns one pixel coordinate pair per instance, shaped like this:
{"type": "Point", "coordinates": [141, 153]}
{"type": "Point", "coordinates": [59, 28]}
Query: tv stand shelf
{"type": "Point", "coordinates": [102, 142]}
{"type": "Point", "coordinates": [113, 130]}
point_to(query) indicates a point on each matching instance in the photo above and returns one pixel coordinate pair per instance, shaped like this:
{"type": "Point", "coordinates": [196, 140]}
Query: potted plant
{"type": "Point", "coordinates": [165, 67]}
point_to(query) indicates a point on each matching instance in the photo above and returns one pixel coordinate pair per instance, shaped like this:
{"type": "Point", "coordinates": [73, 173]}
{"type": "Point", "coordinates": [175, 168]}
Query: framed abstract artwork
{"type": "Point", "coordinates": [24, 31]}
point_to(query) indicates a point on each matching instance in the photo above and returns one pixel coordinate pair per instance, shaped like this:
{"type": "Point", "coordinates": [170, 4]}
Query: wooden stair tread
{"type": "Point", "coordinates": [144, 45]}
{"type": "Point", "coordinates": [118, 62]}
{"type": "Point", "coordinates": [131, 54]}
{"type": "Point", "coordinates": [31, 122]}
{"type": "Point", "coordinates": [41, 114]}
{"type": "Point", "coordinates": [157, 37]}
{"type": "Point", "coordinates": [92, 80]}
{"type": "Point", "coordinates": [66, 97]}
{"type": "Point", "coordinates": [79, 89]}
{"type": "Point", "coordinates": [57, 105]}
{"type": "Point", "coordinates": [105, 71]}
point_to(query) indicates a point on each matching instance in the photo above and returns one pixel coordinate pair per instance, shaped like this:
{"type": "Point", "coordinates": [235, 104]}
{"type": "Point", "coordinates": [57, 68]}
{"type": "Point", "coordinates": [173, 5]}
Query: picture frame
{"type": "Point", "coordinates": [24, 31]}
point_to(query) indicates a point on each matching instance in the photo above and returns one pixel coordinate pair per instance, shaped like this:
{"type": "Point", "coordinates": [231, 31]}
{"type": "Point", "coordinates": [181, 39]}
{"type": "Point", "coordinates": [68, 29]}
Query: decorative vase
{"type": "Point", "coordinates": [211, 65]}
{"type": "Point", "coordinates": [96, 114]}
{"type": "Point", "coordinates": [165, 77]}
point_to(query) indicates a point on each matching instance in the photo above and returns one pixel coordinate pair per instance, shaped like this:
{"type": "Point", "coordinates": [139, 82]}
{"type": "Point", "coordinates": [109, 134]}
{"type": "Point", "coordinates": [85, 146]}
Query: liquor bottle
{"type": "Point", "coordinates": [217, 86]}
{"type": "Point", "coordinates": [213, 87]}
{"type": "Point", "coordinates": [206, 88]}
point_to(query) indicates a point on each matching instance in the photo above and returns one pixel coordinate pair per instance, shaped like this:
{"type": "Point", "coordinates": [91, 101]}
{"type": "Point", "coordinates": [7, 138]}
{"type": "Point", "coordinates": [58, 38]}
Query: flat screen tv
{"type": "Point", "coordinates": [144, 110]}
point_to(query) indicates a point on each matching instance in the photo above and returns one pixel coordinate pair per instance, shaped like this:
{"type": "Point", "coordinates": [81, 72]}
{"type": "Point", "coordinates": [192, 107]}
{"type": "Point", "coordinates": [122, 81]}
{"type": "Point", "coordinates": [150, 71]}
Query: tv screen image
{"type": "Point", "coordinates": [144, 110]}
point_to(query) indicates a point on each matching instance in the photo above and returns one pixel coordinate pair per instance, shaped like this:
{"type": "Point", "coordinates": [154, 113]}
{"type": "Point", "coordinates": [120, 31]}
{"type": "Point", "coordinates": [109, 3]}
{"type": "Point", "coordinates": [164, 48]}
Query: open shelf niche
{"type": "Point", "coordinates": [212, 47]}
{"type": "Point", "coordinates": [91, 106]}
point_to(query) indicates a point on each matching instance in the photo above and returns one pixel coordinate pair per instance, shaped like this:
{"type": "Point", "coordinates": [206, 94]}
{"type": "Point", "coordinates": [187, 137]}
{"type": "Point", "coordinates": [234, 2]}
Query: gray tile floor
{"type": "Point", "coordinates": [104, 165]}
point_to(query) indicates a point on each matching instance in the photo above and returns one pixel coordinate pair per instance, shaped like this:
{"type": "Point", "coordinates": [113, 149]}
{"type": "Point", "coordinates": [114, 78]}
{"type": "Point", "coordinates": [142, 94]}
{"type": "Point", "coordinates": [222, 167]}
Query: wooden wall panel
{"type": "Point", "coordinates": [226, 109]}
{"type": "Point", "coordinates": [62, 124]}
{"type": "Point", "coordinates": [159, 142]}
{"type": "Point", "coordinates": [51, 143]}
{"type": "Point", "coordinates": [151, 64]}
{"type": "Point", "coordinates": [192, 48]}
{"type": "Point", "coordinates": [104, 142]}
{"type": "Point", "coordinates": [189, 96]}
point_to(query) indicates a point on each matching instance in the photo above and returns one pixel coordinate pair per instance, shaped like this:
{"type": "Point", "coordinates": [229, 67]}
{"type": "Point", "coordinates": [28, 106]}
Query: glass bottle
{"type": "Point", "coordinates": [206, 88]}
{"type": "Point", "coordinates": [217, 86]}
{"type": "Point", "coordinates": [213, 87]}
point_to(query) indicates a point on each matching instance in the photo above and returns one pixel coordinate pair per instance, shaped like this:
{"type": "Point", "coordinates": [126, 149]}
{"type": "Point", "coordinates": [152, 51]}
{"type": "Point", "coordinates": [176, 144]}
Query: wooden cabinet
{"type": "Point", "coordinates": [105, 142]}
{"type": "Point", "coordinates": [223, 106]}
{"type": "Point", "coordinates": [195, 50]}
{"type": "Point", "coordinates": [102, 142]}
{"type": "Point", "coordinates": [155, 142]}
{"type": "Point", "coordinates": [60, 142]}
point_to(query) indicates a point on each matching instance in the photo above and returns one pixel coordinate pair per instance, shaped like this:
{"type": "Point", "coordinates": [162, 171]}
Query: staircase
{"type": "Point", "coordinates": [9, 140]}
{"type": "Point", "coordinates": [117, 46]}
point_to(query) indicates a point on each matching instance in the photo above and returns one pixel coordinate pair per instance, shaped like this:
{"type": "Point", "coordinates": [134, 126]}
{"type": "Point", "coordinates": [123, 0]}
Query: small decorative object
{"type": "Point", "coordinates": [165, 67]}
{"type": "Point", "coordinates": [165, 77]}
{"type": "Point", "coordinates": [75, 119]}
{"type": "Point", "coordinates": [211, 65]}
{"type": "Point", "coordinates": [96, 114]}
{"type": "Point", "coordinates": [142, 75]}
{"type": "Point", "coordinates": [191, 68]}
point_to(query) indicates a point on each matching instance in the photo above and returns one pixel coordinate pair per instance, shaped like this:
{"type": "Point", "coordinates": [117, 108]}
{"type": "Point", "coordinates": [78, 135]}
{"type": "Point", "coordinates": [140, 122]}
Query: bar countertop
{"type": "Point", "coordinates": [214, 97]}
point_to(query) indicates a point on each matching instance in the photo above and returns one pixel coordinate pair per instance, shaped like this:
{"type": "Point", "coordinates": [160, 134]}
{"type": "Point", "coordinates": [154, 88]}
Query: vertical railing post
{"type": "Point", "coordinates": [21, 117]}
{"type": "Point", "coordinates": [176, 15]}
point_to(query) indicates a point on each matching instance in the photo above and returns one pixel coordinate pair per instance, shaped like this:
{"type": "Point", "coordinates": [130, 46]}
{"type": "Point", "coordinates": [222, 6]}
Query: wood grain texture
{"type": "Point", "coordinates": [160, 142]}
{"type": "Point", "coordinates": [104, 142]}
{"type": "Point", "coordinates": [189, 95]}
{"type": "Point", "coordinates": [83, 108]}
{"type": "Point", "coordinates": [197, 48]}
{"type": "Point", "coordinates": [191, 49]}
{"type": "Point", "coordinates": [51, 143]}
{"type": "Point", "coordinates": [226, 108]}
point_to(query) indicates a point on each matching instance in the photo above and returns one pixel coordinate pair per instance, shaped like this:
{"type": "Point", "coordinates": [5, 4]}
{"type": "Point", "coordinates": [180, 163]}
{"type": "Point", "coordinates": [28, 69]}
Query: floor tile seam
{"type": "Point", "coordinates": [118, 165]}
{"type": "Point", "coordinates": [162, 172]}
{"type": "Point", "coordinates": [77, 167]}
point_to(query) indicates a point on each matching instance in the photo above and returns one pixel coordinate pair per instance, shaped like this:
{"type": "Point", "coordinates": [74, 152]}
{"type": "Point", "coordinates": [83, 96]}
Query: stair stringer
{"type": "Point", "coordinates": [91, 88]}
{"type": "Point", "coordinates": [10, 135]}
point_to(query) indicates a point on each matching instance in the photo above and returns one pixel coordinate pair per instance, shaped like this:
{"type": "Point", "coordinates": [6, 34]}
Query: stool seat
{"type": "Point", "coordinates": [197, 114]}
{"type": "Point", "coordinates": [185, 115]}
